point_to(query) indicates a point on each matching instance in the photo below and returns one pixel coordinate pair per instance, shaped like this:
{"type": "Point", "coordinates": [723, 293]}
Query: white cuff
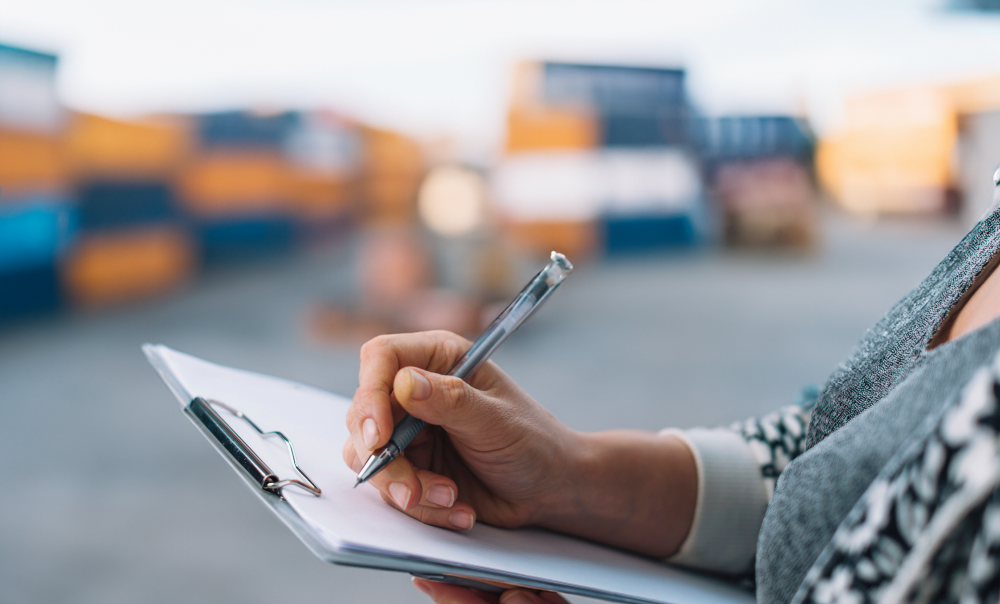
{"type": "Point", "coordinates": [731, 503]}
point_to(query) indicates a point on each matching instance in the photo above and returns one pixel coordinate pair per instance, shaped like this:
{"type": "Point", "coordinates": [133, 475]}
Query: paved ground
{"type": "Point", "coordinates": [111, 496]}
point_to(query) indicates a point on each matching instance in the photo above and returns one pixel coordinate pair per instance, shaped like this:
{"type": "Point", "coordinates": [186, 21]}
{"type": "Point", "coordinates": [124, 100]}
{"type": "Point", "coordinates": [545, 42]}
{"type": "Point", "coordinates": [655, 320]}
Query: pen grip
{"type": "Point", "coordinates": [406, 430]}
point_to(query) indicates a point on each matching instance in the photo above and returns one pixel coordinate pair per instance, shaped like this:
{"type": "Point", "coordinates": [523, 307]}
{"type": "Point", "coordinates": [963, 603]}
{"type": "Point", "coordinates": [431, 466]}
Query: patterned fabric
{"type": "Point", "coordinates": [775, 440]}
{"type": "Point", "coordinates": [928, 528]}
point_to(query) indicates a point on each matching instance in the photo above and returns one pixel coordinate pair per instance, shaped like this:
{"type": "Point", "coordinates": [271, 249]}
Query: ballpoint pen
{"type": "Point", "coordinates": [531, 297]}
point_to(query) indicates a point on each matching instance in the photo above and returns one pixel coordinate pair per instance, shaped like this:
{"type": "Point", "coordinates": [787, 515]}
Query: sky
{"type": "Point", "coordinates": [442, 67]}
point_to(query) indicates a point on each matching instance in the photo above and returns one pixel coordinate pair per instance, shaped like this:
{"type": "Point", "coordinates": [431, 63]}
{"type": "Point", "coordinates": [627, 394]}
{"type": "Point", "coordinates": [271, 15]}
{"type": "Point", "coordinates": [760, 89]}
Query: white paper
{"type": "Point", "coordinates": [358, 519]}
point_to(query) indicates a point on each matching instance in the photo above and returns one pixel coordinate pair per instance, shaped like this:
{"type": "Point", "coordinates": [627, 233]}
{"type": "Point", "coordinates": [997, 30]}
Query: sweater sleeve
{"type": "Point", "coordinates": [737, 470]}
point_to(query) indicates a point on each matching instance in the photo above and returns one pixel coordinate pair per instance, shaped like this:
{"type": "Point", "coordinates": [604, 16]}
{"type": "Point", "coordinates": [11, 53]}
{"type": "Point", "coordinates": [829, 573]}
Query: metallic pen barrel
{"type": "Point", "coordinates": [531, 297]}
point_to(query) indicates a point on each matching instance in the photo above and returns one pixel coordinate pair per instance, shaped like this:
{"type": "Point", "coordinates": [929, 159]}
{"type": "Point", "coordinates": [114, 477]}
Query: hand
{"type": "Point", "coordinates": [443, 593]}
{"type": "Point", "coordinates": [490, 452]}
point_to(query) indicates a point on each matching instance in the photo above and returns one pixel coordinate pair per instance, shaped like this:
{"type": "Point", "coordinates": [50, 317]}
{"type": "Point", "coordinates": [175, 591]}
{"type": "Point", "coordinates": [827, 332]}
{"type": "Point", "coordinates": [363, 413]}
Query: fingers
{"type": "Point", "coordinates": [370, 416]}
{"type": "Point", "coordinates": [421, 494]}
{"type": "Point", "coordinates": [441, 400]}
{"type": "Point", "coordinates": [445, 593]}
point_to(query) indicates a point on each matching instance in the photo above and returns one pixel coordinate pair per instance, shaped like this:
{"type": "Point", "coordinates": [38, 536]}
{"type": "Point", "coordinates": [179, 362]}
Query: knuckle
{"type": "Point", "coordinates": [373, 346]}
{"type": "Point", "coordinates": [454, 393]}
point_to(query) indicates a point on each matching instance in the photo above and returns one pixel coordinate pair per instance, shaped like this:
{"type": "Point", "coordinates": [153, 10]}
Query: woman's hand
{"type": "Point", "coordinates": [494, 454]}
{"type": "Point", "coordinates": [443, 593]}
{"type": "Point", "coordinates": [490, 452]}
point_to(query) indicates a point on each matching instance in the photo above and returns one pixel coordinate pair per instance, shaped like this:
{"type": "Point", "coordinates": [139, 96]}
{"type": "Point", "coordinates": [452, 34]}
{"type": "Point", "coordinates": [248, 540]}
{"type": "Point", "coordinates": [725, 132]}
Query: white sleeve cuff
{"type": "Point", "coordinates": [732, 499]}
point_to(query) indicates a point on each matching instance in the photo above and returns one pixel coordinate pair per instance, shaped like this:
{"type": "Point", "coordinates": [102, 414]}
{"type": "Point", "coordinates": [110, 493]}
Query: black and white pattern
{"type": "Point", "coordinates": [928, 527]}
{"type": "Point", "coordinates": [778, 438]}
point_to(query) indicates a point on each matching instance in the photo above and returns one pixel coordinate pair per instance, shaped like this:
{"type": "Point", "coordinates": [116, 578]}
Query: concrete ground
{"type": "Point", "coordinates": [112, 496]}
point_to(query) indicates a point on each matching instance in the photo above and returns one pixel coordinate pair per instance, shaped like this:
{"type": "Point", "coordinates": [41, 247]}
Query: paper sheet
{"type": "Point", "coordinates": [345, 518]}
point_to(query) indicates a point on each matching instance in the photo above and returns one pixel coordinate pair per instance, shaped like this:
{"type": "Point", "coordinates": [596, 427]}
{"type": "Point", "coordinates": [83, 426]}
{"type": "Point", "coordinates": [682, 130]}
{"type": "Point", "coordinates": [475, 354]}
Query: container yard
{"type": "Point", "coordinates": [743, 191]}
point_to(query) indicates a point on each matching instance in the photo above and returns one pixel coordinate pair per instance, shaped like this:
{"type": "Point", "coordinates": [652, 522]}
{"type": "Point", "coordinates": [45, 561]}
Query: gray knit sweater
{"type": "Point", "coordinates": [884, 485]}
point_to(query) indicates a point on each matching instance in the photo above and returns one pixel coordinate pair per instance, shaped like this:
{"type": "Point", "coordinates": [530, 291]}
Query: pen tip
{"type": "Point", "coordinates": [357, 483]}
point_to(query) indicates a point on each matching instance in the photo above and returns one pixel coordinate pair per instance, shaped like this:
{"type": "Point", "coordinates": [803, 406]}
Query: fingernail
{"type": "Point", "coordinates": [370, 431]}
{"type": "Point", "coordinates": [462, 520]}
{"type": "Point", "coordinates": [515, 597]}
{"type": "Point", "coordinates": [441, 495]}
{"type": "Point", "coordinates": [400, 493]}
{"type": "Point", "coordinates": [423, 587]}
{"type": "Point", "coordinates": [421, 387]}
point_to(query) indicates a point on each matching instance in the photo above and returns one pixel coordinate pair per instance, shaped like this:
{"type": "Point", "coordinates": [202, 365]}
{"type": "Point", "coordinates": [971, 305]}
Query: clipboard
{"type": "Point", "coordinates": [273, 431]}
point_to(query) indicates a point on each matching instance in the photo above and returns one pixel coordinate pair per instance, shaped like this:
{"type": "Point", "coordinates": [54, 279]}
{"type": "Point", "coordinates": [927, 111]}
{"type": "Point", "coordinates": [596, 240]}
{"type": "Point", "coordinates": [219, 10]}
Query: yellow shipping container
{"type": "Point", "coordinates": [534, 129]}
{"type": "Point", "coordinates": [30, 161]}
{"type": "Point", "coordinates": [102, 147]}
{"type": "Point", "coordinates": [231, 183]}
{"type": "Point", "coordinates": [894, 154]}
{"type": "Point", "coordinates": [112, 268]}
{"type": "Point", "coordinates": [575, 238]}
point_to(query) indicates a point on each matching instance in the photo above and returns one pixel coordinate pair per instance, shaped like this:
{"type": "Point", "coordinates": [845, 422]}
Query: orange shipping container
{"type": "Point", "coordinates": [233, 183]}
{"type": "Point", "coordinates": [102, 147]}
{"type": "Point", "coordinates": [30, 161]}
{"type": "Point", "coordinates": [536, 128]}
{"type": "Point", "coordinates": [389, 153]}
{"type": "Point", "coordinates": [316, 196]}
{"type": "Point", "coordinates": [112, 268]}
{"type": "Point", "coordinates": [575, 238]}
{"type": "Point", "coordinates": [390, 199]}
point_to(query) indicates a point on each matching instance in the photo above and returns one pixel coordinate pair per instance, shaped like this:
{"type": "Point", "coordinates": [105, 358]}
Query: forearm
{"type": "Point", "coordinates": [629, 489]}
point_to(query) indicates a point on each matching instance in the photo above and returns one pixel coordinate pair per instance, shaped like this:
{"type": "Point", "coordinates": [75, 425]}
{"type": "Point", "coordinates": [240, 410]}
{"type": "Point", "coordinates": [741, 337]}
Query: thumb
{"type": "Point", "coordinates": [441, 400]}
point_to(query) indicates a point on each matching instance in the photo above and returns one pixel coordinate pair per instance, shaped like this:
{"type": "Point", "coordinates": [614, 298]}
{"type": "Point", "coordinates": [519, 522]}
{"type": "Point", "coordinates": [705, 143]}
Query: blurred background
{"type": "Point", "coordinates": [744, 187]}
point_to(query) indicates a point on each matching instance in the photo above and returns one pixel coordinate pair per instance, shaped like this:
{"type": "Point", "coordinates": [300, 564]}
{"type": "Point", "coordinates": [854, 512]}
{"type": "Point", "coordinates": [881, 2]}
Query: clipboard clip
{"type": "Point", "coordinates": [201, 411]}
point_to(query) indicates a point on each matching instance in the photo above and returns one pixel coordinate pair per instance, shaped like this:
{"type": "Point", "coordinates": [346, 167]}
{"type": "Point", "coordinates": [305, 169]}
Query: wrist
{"type": "Point", "coordinates": [630, 489]}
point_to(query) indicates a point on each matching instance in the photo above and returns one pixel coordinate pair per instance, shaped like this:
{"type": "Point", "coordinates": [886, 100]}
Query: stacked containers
{"type": "Point", "coordinates": [37, 216]}
{"type": "Point", "coordinates": [393, 168]}
{"type": "Point", "coordinates": [236, 189]}
{"type": "Point", "coordinates": [599, 153]}
{"type": "Point", "coordinates": [759, 168]}
{"type": "Point", "coordinates": [322, 151]}
{"type": "Point", "coordinates": [133, 243]}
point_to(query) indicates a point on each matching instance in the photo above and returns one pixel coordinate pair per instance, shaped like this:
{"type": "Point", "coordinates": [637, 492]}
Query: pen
{"type": "Point", "coordinates": [531, 297]}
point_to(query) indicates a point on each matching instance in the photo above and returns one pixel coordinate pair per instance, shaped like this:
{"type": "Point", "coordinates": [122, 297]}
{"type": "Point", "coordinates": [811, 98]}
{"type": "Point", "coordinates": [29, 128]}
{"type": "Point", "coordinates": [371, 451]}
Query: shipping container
{"type": "Point", "coordinates": [569, 185]}
{"type": "Point", "coordinates": [324, 144]}
{"type": "Point", "coordinates": [387, 153]}
{"type": "Point", "coordinates": [245, 129]}
{"type": "Point", "coordinates": [35, 231]}
{"type": "Point", "coordinates": [118, 204]}
{"type": "Point", "coordinates": [623, 234]}
{"type": "Point", "coordinates": [535, 129]}
{"type": "Point", "coordinates": [99, 147]}
{"type": "Point", "coordinates": [111, 268]}
{"type": "Point", "coordinates": [29, 291]}
{"type": "Point", "coordinates": [730, 138]}
{"type": "Point", "coordinates": [31, 162]}
{"type": "Point", "coordinates": [656, 129]}
{"type": "Point", "coordinates": [319, 196]}
{"type": "Point", "coordinates": [614, 89]}
{"type": "Point", "coordinates": [236, 239]}
{"type": "Point", "coordinates": [28, 98]}
{"type": "Point", "coordinates": [234, 183]}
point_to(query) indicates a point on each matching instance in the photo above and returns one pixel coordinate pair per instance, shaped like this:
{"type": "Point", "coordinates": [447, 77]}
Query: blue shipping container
{"type": "Point", "coordinates": [116, 204]}
{"type": "Point", "coordinates": [29, 291]}
{"type": "Point", "coordinates": [614, 89]}
{"type": "Point", "coordinates": [620, 130]}
{"type": "Point", "coordinates": [246, 130]}
{"type": "Point", "coordinates": [246, 238]}
{"type": "Point", "coordinates": [644, 233]}
{"type": "Point", "coordinates": [34, 232]}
